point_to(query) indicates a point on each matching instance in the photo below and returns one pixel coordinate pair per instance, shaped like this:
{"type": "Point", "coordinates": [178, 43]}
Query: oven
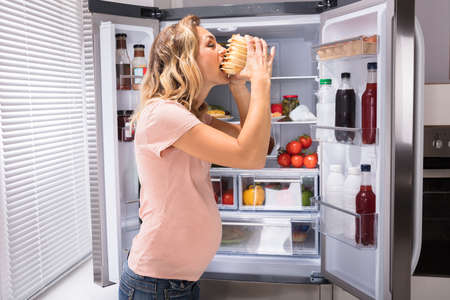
{"type": "Point", "coordinates": [434, 257]}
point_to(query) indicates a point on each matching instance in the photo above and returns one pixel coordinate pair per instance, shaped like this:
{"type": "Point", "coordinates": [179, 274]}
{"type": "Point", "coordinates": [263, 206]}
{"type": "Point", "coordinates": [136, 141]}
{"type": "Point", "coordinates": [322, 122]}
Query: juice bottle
{"type": "Point", "coordinates": [123, 66]}
{"type": "Point", "coordinates": [365, 206]}
{"type": "Point", "coordinates": [345, 109]}
{"type": "Point", "coordinates": [369, 106]}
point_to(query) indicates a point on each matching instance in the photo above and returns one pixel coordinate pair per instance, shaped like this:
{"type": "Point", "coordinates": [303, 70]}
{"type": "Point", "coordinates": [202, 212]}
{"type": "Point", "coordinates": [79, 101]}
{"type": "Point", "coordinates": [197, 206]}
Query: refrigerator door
{"type": "Point", "coordinates": [115, 216]}
{"type": "Point", "coordinates": [381, 271]}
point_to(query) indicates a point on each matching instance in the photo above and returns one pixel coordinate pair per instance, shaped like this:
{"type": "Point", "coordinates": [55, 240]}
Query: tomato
{"type": "Point", "coordinates": [310, 161]}
{"type": "Point", "coordinates": [297, 161]}
{"type": "Point", "coordinates": [284, 159]}
{"type": "Point", "coordinates": [227, 197]}
{"type": "Point", "coordinates": [305, 140]}
{"type": "Point", "coordinates": [294, 147]}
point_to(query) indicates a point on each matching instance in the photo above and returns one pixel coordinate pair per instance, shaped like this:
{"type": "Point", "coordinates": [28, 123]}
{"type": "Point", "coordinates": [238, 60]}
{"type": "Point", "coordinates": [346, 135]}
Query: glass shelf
{"type": "Point", "coordinates": [278, 122]}
{"type": "Point", "coordinates": [293, 77]}
{"type": "Point", "coordinates": [351, 228]}
{"type": "Point", "coordinates": [343, 135]}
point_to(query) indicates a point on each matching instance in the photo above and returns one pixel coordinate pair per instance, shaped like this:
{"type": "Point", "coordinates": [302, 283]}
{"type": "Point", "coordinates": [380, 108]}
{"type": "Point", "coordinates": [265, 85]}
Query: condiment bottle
{"type": "Point", "coordinates": [369, 106]}
{"type": "Point", "coordinates": [123, 67]}
{"type": "Point", "coordinates": [345, 109]}
{"type": "Point", "coordinates": [139, 66]}
{"type": "Point", "coordinates": [365, 206]}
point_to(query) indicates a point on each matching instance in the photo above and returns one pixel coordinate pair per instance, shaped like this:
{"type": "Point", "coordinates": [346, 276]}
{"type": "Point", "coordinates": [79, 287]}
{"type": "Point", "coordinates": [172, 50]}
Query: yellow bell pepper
{"type": "Point", "coordinates": [252, 196]}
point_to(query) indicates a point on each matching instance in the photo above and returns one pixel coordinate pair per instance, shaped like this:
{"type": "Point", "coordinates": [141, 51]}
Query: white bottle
{"type": "Point", "coordinates": [325, 110]}
{"type": "Point", "coordinates": [352, 185]}
{"type": "Point", "coordinates": [334, 195]}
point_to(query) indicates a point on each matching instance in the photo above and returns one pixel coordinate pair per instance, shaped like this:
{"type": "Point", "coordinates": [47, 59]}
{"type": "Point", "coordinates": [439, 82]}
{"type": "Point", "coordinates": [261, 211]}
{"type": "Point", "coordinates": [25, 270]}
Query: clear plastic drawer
{"type": "Point", "coordinates": [269, 237]}
{"type": "Point", "coordinates": [277, 194]}
{"type": "Point", "coordinates": [225, 191]}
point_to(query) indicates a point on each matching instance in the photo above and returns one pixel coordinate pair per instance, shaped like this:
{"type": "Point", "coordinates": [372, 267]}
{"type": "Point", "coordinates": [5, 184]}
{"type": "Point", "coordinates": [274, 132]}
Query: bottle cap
{"type": "Point", "coordinates": [354, 171]}
{"type": "Point", "coordinates": [129, 112]}
{"type": "Point", "coordinates": [372, 66]}
{"type": "Point", "coordinates": [365, 168]}
{"type": "Point", "coordinates": [121, 35]}
{"type": "Point", "coordinates": [336, 168]}
{"type": "Point", "coordinates": [345, 75]}
{"type": "Point", "coordinates": [325, 81]}
{"type": "Point", "coordinates": [121, 112]}
{"type": "Point", "coordinates": [138, 46]}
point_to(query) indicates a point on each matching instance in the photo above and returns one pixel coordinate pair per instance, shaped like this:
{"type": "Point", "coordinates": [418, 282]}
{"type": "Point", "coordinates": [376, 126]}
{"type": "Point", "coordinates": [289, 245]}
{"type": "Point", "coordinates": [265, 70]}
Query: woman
{"type": "Point", "coordinates": [176, 141]}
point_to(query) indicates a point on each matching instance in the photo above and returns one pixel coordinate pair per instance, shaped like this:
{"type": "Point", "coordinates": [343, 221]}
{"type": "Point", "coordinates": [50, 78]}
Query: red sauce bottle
{"type": "Point", "coordinates": [369, 106]}
{"type": "Point", "coordinates": [365, 206]}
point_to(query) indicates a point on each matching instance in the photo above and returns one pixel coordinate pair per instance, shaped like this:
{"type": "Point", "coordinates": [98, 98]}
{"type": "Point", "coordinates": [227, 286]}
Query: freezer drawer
{"type": "Point", "coordinates": [269, 236]}
{"type": "Point", "coordinates": [259, 192]}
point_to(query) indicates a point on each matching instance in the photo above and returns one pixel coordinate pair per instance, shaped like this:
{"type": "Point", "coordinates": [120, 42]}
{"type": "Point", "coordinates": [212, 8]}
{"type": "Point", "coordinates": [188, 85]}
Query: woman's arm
{"type": "Point", "coordinates": [247, 150]}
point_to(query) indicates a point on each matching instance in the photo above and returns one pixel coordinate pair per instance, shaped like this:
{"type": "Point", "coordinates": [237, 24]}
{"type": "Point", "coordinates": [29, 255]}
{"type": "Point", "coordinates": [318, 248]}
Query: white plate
{"type": "Point", "coordinates": [225, 118]}
{"type": "Point", "coordinates": [277, 118]}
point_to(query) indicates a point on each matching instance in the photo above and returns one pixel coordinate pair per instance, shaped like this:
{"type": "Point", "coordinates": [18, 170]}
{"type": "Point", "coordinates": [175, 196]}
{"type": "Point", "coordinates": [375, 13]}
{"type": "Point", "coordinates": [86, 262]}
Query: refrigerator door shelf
{"type": "Point", "coordinates": [347, 226]}
{"type": "Point", "coordinates": [269, 236]}
{"type": "Point", "coordinates": [347, 49]}
{"type": "Point", "coordinates": [347, 136]}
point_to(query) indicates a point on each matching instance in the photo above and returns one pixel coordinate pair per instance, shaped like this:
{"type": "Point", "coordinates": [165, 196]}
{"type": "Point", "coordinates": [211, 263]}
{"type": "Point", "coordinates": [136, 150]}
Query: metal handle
{"type": "Point", "coordinates": [272, 180]}
{"type": "Point", "coordinates": [418, 143]}
{"type": "Point", "coordinates": [436, 173]}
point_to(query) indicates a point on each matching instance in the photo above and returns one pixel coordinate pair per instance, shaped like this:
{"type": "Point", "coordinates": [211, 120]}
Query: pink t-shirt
{"type": "Point", "coordinates": [181, 227]}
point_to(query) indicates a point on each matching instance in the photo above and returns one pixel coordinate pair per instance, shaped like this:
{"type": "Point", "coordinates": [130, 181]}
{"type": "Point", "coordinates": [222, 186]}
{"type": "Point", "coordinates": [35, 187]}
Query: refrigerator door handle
{"type": "Point", "coordinates": [418, 142]}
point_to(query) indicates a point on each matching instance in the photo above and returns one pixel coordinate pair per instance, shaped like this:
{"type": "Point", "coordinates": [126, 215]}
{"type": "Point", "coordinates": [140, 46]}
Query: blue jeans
{"type": "Point", "coordinates": [137, 287]}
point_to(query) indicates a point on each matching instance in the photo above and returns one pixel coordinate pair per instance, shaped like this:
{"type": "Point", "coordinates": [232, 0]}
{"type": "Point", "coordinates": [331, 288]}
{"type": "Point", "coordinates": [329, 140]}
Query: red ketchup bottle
{"type": "Point", "coordinates": [365, 206]}
{"type": "Point", "coordinates": [369, 106]}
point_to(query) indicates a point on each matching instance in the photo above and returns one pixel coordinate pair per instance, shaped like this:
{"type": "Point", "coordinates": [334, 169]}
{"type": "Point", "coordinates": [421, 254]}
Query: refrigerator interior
{"type": "Point", "coordinates": [356, 265]}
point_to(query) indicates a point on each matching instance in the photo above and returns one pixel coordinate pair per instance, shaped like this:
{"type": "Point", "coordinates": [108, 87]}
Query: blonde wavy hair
{"type": "Point", "coordinates": [173, 72]}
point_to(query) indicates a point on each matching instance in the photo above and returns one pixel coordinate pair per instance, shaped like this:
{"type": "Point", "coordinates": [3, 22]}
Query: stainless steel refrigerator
{"type": "Point", "coordinates": [284, 240]}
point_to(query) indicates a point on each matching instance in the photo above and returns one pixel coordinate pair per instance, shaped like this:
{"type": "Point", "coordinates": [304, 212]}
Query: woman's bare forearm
{"type": "Point", "coordinates": [242, 98]}
{"type": "Point", "coordinates": [255, 132]}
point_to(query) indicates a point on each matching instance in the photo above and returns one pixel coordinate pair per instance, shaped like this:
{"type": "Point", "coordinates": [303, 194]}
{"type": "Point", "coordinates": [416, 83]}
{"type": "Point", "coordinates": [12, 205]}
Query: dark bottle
{"type": "Point", "coordinates": [345, 109]}
{"type": "Point", "coordinates": [365, 206]}
{"type": "Point", "coordinates": [369, 106]}
{"type": "Point", "coordinates": [123, 65]}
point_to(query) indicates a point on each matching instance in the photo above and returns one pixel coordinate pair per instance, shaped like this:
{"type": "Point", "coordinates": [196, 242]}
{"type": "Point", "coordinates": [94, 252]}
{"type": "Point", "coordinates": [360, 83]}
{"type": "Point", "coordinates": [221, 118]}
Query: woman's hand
{"type": "Point", "coordinates": [259, 62]}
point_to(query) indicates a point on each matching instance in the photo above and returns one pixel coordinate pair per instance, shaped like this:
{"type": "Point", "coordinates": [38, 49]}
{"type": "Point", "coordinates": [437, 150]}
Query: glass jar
{"type": "Point", "coordinates": [289, 102]}
{"type": "Point", "coordinates": [139, 66]}
{"type": "Point", "coordinates": [124, 126]}
{"type": "Point", "coordinates": [123, 66]}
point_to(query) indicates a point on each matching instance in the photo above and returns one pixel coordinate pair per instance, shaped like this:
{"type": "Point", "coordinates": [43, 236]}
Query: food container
{"type": "Point", "coordinates": [124, 126]}
{"type": "Point", "coordinates": [289, 103]}
{"type": "Point", "coordinates": [361, 45]}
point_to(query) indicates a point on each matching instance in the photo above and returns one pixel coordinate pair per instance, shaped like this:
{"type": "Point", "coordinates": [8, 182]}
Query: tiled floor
{"type": "Point", "coordinates": [79, 285]}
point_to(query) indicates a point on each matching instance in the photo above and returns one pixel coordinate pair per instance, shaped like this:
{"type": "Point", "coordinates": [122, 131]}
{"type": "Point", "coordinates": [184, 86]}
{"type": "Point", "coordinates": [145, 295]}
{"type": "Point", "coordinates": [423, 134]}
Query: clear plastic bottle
{"type": "Point", "coordinates": [123, 66]}
{"type": "Point", "coordinates": [325, 110]}
{"type": "Point", "coordinates": [365, 206]}
{"type": "Point", "coordinates": [334, 195]}
{"type": "Point", "coordinates": [139, 65]}
{"type": "Point", "coordinates": [345, 109]}
{"type": "Point", "coordinates": [369, 106]}
{"type": "Point", "coordinates": [352, 185]}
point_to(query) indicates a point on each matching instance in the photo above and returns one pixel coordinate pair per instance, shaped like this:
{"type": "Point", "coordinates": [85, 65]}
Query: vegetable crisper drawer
{"type": "Point", "coordinates": [269, 237]}
{"type": "Point", "coordinates": [277, 194]}
{"type": "Point", "coordinates": [225, 191]}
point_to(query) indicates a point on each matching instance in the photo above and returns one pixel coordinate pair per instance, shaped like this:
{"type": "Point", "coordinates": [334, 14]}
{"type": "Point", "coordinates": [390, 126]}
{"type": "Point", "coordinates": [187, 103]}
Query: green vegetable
{"type": "Point", "coordinates": [306, 197]}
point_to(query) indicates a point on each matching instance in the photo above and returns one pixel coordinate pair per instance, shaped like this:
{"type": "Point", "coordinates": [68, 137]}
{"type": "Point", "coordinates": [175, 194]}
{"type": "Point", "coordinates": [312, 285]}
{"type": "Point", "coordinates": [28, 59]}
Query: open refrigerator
{"type": "Point", "coordinates": [283, 238]}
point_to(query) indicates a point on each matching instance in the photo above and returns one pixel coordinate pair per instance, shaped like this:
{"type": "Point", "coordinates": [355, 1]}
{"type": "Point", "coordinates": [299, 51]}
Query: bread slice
{"type": "Point", "coordinates": [236, 55]}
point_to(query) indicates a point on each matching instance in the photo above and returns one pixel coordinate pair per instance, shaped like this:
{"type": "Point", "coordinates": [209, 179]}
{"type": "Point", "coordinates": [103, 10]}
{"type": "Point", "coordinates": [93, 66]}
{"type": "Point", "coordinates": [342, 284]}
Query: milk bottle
{"type": "Point", "coordinates": [334, 195]}
{"type": "Point", "coordinates": [352, 184]}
